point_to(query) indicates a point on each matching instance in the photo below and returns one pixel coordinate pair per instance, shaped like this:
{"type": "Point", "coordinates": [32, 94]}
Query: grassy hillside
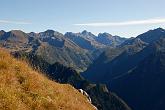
{"type": "Point", "coordinates": [22, 88]}
{"type": "Point", "coordinates": [99, 94]}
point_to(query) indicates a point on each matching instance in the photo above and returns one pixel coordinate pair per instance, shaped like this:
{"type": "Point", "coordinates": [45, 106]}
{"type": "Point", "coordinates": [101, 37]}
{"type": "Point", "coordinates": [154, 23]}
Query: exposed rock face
{"type": "Point", "coordinates": [85, 94]}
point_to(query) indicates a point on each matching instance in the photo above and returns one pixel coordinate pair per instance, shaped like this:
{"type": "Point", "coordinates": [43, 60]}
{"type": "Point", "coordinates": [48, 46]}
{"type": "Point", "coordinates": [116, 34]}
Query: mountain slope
{"type": "Point", "coordinates": [147, 37]}
{"type": "Point", "coordinates": [143, 87]}
{"type": "Point", "coordinates": [15, 40]}
{"type": "Point", "coordinates": [99, 94]}
{"type": "Point", "coordinates": [85, 40]}
{"type": "Point", "coordinates": [152, 35]}
{"type": "Point", "coordinates": [77, 50]}
{"type": "Point", "coordinates": [90, 42]}
{"type": "Point", "coordinates": [51, 45]}
{"type": "Point", "coordinates": [107, 65]}
{"type": "Point", "coordinates": [109, 40]}
{"type": "Point", "coordinates": [115, 62]}
{"type": "Point", "coordinates": [134, 70]}
{"type": "Point", "coordinates": [23, 88]}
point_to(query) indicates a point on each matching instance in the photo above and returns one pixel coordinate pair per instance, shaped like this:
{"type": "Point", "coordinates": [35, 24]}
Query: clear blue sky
{"type": "Point", "coordinates": [76, 15]}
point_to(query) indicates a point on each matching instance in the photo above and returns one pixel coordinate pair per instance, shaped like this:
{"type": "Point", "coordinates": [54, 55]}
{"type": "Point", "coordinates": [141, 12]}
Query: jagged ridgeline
{"type": "Point", "coordinates": [77, 50]}
{"type": "Point", "coordinates": [22, 88]}
{"type": "Point", "coordinates": [134, 70]}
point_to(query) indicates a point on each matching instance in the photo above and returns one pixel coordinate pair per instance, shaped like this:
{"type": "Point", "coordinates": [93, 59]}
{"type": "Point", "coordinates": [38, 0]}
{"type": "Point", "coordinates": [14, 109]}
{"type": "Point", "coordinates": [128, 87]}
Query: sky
{"type": "Point", "coordinates": [126, 18]}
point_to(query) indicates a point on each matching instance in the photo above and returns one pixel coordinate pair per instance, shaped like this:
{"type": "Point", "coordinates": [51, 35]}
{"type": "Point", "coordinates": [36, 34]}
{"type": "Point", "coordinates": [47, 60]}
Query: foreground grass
{"type": "Point", "coordinates": [22, 88]}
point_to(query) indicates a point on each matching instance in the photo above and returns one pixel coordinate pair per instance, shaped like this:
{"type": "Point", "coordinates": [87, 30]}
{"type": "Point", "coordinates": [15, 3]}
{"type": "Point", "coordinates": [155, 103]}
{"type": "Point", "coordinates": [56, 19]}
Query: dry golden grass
{"type": "Point", "coordinates": [22, 88]}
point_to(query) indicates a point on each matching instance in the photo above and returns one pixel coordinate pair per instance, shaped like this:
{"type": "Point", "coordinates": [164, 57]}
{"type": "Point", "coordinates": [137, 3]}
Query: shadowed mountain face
{"type": "Point", "coordinates": [143, 87]}
{"type": "Point", "coordinates": [114, 62]}
{"type": "Point", "coordinates": [107, 65]}
{"type": "Point", "coordinates": [152, 35]}
{"type": "Point", "coordinates": [101, 97]}
{"type": "Point", "coordinates": [134, 70]}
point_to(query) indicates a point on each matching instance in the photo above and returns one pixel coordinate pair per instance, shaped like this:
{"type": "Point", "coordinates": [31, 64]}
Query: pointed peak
{"type": "Point", "coordinates": [105, 34]}
{"type": "Point", "coordinates": [49, 31]}
{"type": "Point", "coordinates": [157, 30]}
{"type": "Point", "coordinates": [85, 32]}
{"type": "Point", "coordinates": [2, 31]}
{"type": "Point", "coordinates": [160, 29]}
{"type": "Point", "coordinates": [32, 33]}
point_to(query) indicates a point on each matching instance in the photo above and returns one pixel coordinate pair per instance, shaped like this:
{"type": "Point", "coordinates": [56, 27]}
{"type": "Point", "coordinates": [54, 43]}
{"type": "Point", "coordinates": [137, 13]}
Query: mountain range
{"type": "Point", "coordinates": [57, 55]}
{"type": "Point", "coordinates": [117, 73]}
{"type": "Point", "coordinates": [100, 96]}
{"type": "Point", "coordinates": [76, 50]}
{"type": "Point", "coordinates": [134, 70]}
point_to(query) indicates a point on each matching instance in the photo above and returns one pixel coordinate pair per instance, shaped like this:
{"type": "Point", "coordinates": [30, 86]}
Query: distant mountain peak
{"type": "Point", "coordinates": [152, 35]}
{"type": "Point", "coordinates": [156, 30]}
{"type": "Point", "coordinates": [16, 33]}
{"type": "Point", "coordinates": [2, 31]}
{"type": "Point", "coordinates": [50, 31]}
{"type": "Point", "coordinates": [86, 33]}
{"type": "Point", "coordinates": [110, 40]}
{"type": "Point", "coordinates": [160, 29]}
{"type": "Point", "coordinates": [104, 34]}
